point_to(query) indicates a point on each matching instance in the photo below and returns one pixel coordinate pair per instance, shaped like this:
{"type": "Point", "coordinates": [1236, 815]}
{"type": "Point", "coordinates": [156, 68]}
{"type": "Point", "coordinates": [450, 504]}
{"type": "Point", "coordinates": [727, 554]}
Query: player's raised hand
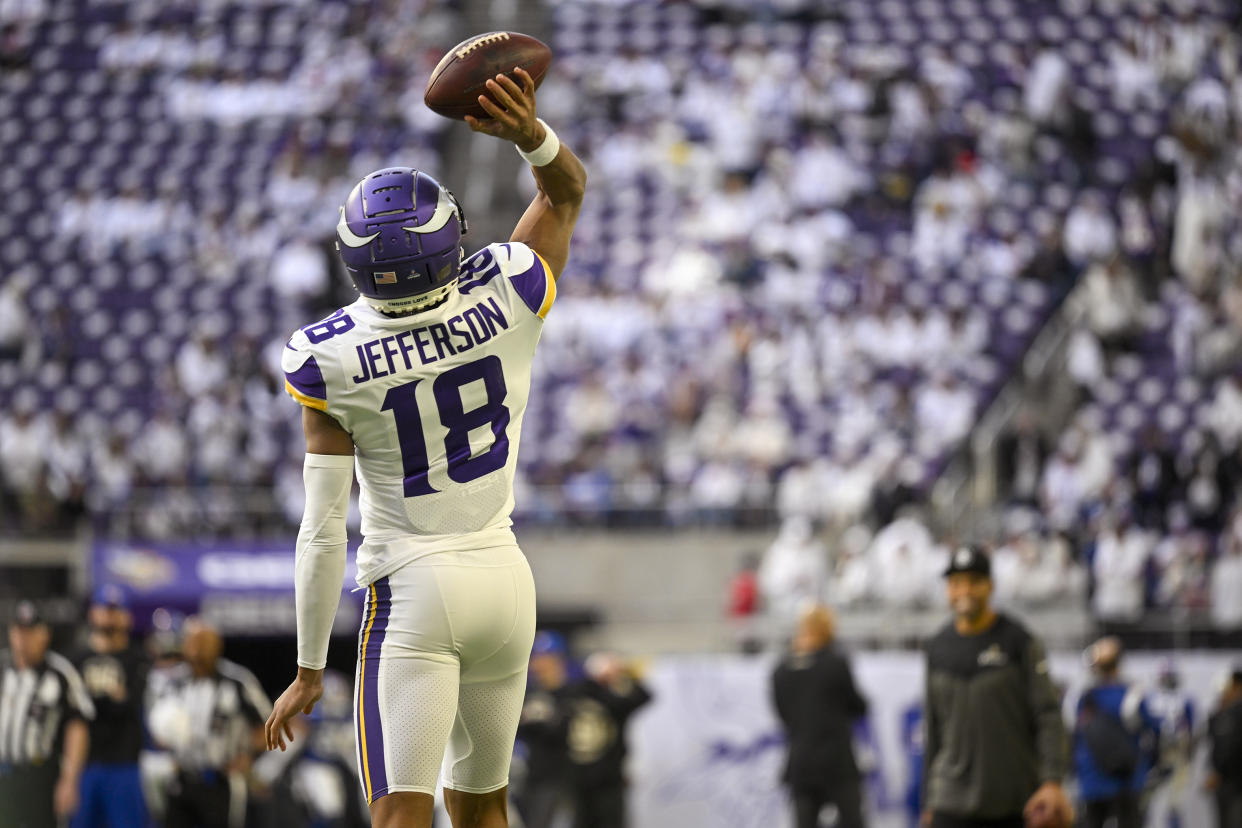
{"type": "Point", "coordinates": [300, 697]}
{"type": "Point", "coordinates": [512, 111]}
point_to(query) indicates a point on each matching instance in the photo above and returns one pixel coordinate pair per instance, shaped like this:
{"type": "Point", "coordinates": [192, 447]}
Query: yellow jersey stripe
{"type": "Point", "coordinates": [309, 402]}
{"type": "Point", "coordinates": [362, 683]}
{"type": "Point", "coordinates": [549, 288]}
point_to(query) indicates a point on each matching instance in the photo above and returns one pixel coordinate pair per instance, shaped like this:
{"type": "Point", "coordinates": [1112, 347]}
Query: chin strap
{"type": "Point", "coordinates": [413, 304]}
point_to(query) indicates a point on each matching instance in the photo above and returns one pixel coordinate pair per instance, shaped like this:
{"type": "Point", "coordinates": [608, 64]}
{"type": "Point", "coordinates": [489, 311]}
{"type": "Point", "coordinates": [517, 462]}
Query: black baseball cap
{"type": "Point", "coordinates": [969, 558]}
{"type": "Point", "coordinates": [26, 614]}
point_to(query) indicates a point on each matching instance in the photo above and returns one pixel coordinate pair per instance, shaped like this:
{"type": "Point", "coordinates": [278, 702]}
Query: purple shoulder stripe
{"type": "Point", "coordinates": [308, 380]}
{"type": "Point", "coordinates": [531, 285]}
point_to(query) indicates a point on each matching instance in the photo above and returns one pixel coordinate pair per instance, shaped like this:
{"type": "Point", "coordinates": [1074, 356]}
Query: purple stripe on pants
{"type": "Point", "coordinates": [373, 736]}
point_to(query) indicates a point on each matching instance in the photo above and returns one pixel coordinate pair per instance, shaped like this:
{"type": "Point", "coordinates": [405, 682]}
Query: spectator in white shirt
{"type": "Point", "coordinates": [66, 461]}
{"type": "Point", "coordinates": [112, 474]}
{"type": "Point", "coordinates": [825, 176]}
{"type": "Point", "coordinates": [22, 439]}
{"type": "Point", "coordinates": [1121, 554]}
{"type": "Point", "coordinates": [1134, 80]}
{"type": "Point", "coordinates": [1198, 246]}
{"type": "Point", "coordinates": [794, 569]}
{"type": "Point", "coordinates": [300, 270]}
{"type": "Point", "coordinates": [1182, 561]}
{"type": "Point", "coordinates": [851, 582]}
{"type": "Point", "coordinates": [968, 335]}
{"type": "Point", "coordinates": [1112, 303]}
{"type": "Point", "coordinates": [1226, 595]}
{"type": "Point", "coordinates": [1224, 416]}
{"type": "Point", "coordinates": [1064, 487]}
{"type": "Point", "coordinates": [14, 324]}
{"type": "Point", "coordinates": [1090, 232]}
{"type": "Point", "coordinates": [1047, 84]}
{"type": "Point", "coordinates": [904, 551]}
{"type": "Point", "coordinates": [946, 208]}
{"type": "Point", "coordinates": [161, 449]}
{"type": "Point", "coordinates": [201, 366]}
{"type": "Point", "coordinates": [945, 411]}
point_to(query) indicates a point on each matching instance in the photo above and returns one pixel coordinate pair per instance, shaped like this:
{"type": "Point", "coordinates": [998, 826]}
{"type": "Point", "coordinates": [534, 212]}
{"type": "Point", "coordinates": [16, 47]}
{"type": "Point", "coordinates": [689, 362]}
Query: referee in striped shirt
{"type": "Point", "coordinates": [44, 709]}
{"type": "Point", "coordinates": [210, 714]}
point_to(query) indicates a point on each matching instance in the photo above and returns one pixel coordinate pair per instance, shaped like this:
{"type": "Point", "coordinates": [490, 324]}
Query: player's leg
{"type": "Point", "coordinates": [492, 613]}
{"type": "Point", "coordinates": [476, 768]}
{"type": "Point", "coordinates": [403, 809]}
{"type": "Point", "coordinates": [468, 810]}
{"type": "Point", "coordinates": [405, 696]}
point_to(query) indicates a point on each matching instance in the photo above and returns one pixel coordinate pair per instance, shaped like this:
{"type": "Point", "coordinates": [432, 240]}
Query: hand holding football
{"type": "Point", "coordinates": [461, 76]}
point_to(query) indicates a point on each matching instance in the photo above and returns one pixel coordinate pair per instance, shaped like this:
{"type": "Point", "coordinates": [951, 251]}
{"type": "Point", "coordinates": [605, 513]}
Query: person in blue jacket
{"type": "Point", "coordinates": [1115, 738]}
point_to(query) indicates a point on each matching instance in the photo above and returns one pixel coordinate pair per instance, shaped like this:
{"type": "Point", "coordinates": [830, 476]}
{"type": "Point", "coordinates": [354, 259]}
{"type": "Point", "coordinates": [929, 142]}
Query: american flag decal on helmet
{"type": "Point", "coordinates": [386, 277]}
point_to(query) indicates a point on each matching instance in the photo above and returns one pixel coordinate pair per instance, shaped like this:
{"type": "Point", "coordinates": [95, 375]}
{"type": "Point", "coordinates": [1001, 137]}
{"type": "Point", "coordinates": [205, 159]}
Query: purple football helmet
{"type": "Point", "coordinates": [400, 239]}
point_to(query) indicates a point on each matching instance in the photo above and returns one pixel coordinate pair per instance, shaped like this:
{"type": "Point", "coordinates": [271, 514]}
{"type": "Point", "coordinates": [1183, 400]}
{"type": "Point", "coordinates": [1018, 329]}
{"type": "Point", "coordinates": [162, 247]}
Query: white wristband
{"type": "Point", "coordinates": [542, 155]}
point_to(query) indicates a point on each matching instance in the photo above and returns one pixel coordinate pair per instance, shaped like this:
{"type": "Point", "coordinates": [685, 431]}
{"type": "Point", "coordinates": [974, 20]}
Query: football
{"type": "Point", "coordinates": [458, 79]}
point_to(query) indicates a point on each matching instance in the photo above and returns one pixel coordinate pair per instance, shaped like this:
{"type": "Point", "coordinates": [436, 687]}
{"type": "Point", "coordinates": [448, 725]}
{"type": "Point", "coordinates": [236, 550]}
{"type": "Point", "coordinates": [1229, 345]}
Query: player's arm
{"type": "Point", "coordinates": [319, 567]}
{"type": "Point", "coordinates": [548, 222]}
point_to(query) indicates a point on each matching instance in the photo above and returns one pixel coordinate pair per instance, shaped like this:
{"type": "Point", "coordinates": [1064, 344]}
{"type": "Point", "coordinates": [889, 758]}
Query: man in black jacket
{"type": "Point", "coordinates": [815, 697]}
{"type": "Point", "coordinates": [996, 745]}
{"type": "Point", "coordinates": [1225, 733]}
{"type": "Point", "coordinates": [600, 709]}
{"type": "Point", "coordinates": [114, 672]}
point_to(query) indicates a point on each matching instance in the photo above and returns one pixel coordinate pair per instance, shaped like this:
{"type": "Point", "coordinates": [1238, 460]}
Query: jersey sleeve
{"type": "Point", "coordinates": [529, 275]}
{"type": "Point", "coordinates": [75, 699]}
{"type": "Point", "coordinates": [255, 706]}
{"type": "Point", "coordinates": [303, 378]}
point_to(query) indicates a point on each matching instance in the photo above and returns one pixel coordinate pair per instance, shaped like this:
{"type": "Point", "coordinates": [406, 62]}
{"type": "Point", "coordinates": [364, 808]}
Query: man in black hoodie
{"type": "Point", "coordinates": [996, 747]}
{"type": "Point", "coordinates": [815, 697]}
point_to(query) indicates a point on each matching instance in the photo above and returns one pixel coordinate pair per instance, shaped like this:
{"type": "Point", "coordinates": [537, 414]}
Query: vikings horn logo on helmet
{"type": "Point", "coordinates": [446, 208]}
{"type": "Point", "coordinates": [347, 236]}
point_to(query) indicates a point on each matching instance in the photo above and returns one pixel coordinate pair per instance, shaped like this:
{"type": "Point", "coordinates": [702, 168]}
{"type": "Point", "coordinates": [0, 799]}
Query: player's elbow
{"type": "Point", "coordinates": [321, 536]}
{"type": "Point", "coordinates": [568, 198]}
{"type": "Point", "coordinates": [580, 182]}
{"type": "Point", "coordinates": [573, 189]}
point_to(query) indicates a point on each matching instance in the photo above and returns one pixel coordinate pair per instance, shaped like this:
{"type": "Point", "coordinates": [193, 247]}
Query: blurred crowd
{"type": "Point", "coordinates": [211, 145]}
{"type": "Point", "coordinates": [820, 241]}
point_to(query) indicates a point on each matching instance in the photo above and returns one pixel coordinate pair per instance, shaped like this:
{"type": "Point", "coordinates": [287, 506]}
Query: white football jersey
{"type": "Point", "coordinates": [434, 403]}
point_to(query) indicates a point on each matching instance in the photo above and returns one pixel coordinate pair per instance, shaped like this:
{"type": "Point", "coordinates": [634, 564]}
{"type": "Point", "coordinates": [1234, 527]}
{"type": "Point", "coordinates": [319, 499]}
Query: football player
{"type": "Point", "coordinates": [420, 387]}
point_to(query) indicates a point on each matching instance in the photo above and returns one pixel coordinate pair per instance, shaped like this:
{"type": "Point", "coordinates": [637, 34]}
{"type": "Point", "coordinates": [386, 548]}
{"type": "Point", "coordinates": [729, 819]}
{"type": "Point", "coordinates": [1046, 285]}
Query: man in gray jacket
{"type": "Point", "coordinates": [996, 747]}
